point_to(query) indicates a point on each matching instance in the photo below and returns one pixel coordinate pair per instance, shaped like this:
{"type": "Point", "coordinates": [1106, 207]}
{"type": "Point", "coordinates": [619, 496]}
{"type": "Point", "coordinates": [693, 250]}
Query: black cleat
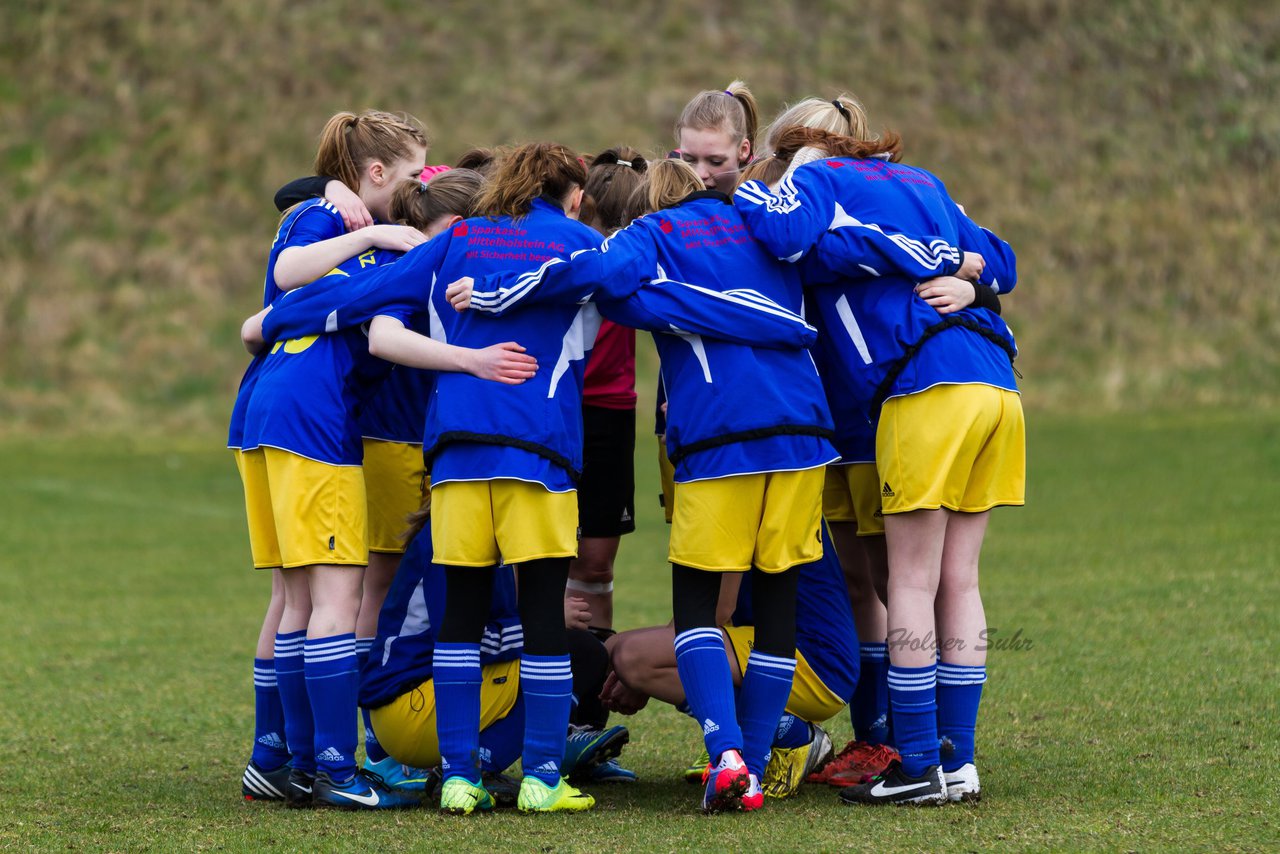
{"type": "Point", "coordinates": [895, 787]}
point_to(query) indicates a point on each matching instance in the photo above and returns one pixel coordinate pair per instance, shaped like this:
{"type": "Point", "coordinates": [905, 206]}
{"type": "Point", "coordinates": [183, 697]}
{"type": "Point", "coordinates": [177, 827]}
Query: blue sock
{"type": "Point", "coordinates": [708, 688]}
{"type": "Point", "coordinates": [869, 710]}
{"type": "Point", "coordinates": [765, 688]}
{"type": "Point", "coordinates": [959, 693]}
{"type": "Point", "coordinates": [502, 741]}
{"type": "Point", "coordinates": [372, 749]}
{"type": "Point", "coordinates": [269, 750]}
{"type": "Point", "coordinates": [299, 727]}
{"type": "Point", "coordinates": [456, 675]}
{"type": "Point", "coordinates": [332, 684]}
{"type": "Point", "coordinates": [547, 684]}
{"type": "Point", "coordinates": [915, 723]}
{"type": "Point", "coordinates": [792, 731]}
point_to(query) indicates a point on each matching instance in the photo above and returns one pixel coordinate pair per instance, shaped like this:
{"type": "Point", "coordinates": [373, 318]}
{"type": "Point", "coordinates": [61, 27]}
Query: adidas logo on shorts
{"type": "Point", "coordinates": [887, 492]}
{"type": "Point", "coordinates": [330, 754]}
{"type": "Point", "coordinates": [709, 726]}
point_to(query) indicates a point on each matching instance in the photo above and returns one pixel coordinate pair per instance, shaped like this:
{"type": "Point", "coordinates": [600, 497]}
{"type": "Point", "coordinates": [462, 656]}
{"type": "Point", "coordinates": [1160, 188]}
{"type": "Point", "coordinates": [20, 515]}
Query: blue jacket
{"type": "Point", "coordinates": [868, 232]}
{"type": "Point", "coordinates": [743, 394]}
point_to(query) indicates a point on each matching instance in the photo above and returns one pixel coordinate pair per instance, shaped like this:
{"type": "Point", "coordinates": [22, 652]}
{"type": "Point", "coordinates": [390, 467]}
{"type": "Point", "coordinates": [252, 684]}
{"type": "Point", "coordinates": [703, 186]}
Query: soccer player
{"type": "Point", "coordinates": [716, 134]}
{"type": "Point", "coordinates": [300, 423]}
{"type": "Point", "coordinates": [747, 433]}
{"type": "Point", "coordinates": [644, 666]}
{"type": "Point", "coordinates": [941, 390]}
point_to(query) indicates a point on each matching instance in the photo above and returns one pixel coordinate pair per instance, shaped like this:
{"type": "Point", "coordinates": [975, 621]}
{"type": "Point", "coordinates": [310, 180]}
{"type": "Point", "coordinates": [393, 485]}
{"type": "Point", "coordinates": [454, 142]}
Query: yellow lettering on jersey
{"type": "Point", "coordinates": [276, 347]}
{"type": "Point", "coordinates": [334, 272]}
{"type": "Point", "coordinates": [297, 345]}
{"type": "Point", "coordinates": [367, 259]}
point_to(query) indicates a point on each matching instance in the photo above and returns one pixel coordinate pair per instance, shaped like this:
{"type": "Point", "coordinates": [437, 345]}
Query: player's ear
{"type": "Point", "coordinates": [377, 173]}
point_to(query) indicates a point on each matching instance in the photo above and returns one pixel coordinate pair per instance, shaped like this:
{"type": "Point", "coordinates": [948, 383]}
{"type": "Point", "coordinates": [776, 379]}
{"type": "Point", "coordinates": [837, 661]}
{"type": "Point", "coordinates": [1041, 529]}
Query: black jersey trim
{"type": "Point", "coordinates": [506, 441]}
{"type": "Point", "coordinates": [684, 451]}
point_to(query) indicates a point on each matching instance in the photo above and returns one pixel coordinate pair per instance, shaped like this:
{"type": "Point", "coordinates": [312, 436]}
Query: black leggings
{"type": "Point", "coordinates": [695, 592]}
{"type": "Point", "coordinates": [469, 595]}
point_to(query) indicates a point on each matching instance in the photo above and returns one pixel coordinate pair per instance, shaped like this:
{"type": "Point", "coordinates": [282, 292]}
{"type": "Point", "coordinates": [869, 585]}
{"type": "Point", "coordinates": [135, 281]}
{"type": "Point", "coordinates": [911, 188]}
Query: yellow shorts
{"type": "Point", "coordinates": [852, 494]}
{"type": "Point", "coordinates": [667, 473]}
{"type": "Point", "coordinates": [320, 511]}
{"type": "Point", "coordinates": [810, 699]}
{"type": "Point", "coordinates": [484, 522]}
{"type": "Point", "coordinates": [395, 480]}
{"type": "Point", "coordinates": [962, 447]}
{"type": "Point", "coordinates": [263, 544]}
{"type": "Point", "coordinates": [406, 727]}
{"type": "Point", "coordinates": [730, 524]}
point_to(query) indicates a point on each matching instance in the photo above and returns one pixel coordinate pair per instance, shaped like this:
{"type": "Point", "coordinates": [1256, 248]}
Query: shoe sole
{"type": "Point", "coordinates": [610, 748]}
{"type": "Point", "coordinates": [728, 799]}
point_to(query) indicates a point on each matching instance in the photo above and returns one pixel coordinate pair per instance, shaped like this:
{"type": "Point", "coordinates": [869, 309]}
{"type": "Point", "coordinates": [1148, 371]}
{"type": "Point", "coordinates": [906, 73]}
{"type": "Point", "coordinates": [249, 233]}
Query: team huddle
{"type": "Point", "coordinates": [436, 437]}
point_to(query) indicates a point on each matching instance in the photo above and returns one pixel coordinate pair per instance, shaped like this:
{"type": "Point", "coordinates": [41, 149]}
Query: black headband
{"type": "Point", "coordinates": [844, 111]}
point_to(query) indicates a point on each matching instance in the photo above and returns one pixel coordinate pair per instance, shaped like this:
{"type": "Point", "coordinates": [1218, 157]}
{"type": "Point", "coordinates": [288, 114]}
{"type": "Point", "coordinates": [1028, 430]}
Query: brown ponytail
{"type": "Point", "coordinates": [451, 193]}
{"type": "Point", "coordinates": [533, 170]}
{"type": "Point", "coordinates": [349, 142]}
{"type": "Point", "coordinates": [792, 139]}
{"type": "Point", "coordinates": [613, 176]}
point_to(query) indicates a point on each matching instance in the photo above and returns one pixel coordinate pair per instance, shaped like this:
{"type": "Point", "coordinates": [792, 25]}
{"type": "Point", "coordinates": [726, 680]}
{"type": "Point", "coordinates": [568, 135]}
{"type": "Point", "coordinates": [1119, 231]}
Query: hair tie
{"type": "Point", "coordinates": [626, 163]}
{"type": "Point", "coordinates": [844, 111]}
{"type": "Point", "coordinates": [727, 92]}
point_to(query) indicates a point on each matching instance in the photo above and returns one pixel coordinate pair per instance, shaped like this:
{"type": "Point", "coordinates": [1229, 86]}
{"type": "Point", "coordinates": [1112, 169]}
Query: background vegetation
{"type": "Point", "coordinates": [1129, 150]}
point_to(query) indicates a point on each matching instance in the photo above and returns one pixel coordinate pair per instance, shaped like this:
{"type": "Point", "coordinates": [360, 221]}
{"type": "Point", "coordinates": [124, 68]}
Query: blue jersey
{"type": "Point", "coordinates": [825, 630]}
{"type": "Point", "coordinates": [309, 222]}
{"type": "Point", "coordinates": [740, 402]}
{"type": "Point", "coordinates": [397, 411]}
{"type": "Point", "coordinates": [531, 431]}
{"type": "Point", "coordinates": [400, 657]}
{"type": "Point", "coordinates": [310, 390]}
{"type": "Point", "coordinates": [877, 229]}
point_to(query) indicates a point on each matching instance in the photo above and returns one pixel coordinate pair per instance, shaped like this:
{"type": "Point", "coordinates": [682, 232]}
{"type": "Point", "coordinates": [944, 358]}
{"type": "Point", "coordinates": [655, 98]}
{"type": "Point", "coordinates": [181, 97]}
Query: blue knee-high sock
{"type": "Point", "coordinates": [869, 710]}
{"type": "Point", "coordinates": [299, 726]}
{"type": "Point", "coordinates": [792, 732]}
{"type": "Point", "coordinates": [708, 688]}
{"type": "Point", "coordinates": [765, 688]}
{"type": "Point", "coordinates": [372, 749]}
{"type": "Point", "coordinates": [456, 677]}
{"type": "Point", "coordinates": [502, 741]}
{"type": "Point", "coordinates": [269, 750]}
{"type": "Point", "coordinates": [959, 694]}
{"type": "Point", "coordinates": [547, 684]}
{"type": "Point", "coordinates": [332, 684]}
{"type": "Point", "coordinates": [912, 697]}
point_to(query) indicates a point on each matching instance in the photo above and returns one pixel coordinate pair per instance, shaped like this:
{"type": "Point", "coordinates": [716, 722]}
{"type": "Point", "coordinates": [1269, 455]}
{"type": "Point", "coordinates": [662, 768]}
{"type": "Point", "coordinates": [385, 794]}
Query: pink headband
{"type": "Point", "coordinates": [429, 172]}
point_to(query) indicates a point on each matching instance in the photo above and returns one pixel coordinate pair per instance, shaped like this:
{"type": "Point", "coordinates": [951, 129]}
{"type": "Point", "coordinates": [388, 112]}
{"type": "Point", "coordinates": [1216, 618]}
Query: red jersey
{"type": "Point", "coordinates": [610, 380]}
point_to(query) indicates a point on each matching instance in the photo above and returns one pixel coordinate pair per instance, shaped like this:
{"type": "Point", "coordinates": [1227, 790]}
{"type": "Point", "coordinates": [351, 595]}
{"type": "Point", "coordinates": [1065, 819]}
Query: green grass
{"type": "Point", "coordinates": [1143, 715]}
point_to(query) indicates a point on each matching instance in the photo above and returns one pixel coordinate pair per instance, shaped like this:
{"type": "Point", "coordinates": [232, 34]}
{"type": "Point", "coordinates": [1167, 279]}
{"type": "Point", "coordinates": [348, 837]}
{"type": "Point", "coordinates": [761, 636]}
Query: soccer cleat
{"type": "Point", "coordinates": [537, 796]}
{"type": "Point", "coordinates": [502, 788]}
{"type": "Point", "coordinates": [259, 784]}
{"type": "Point", "coordinates": [612, 772]}
{"type": "Point", "coordinates": [460, 796]}
{"type": "Point", "coordinates": [857, 763]}
{"type": "Point", "coordinates": [585, 749]}
{"type": "Point", "coordinates": [789, 766]}
{"type": "Point", "coordinates": [895, 787]}
{"type": "Point", "coordinates": [364, 791]}
{"type": "Point", "coordinates": [298, 792]}
{"type": "Point", "coordinates": [754, 798]}
{"type": "Point", "coordinates": [399, 776]}
{"type": "Point", "coordinates": [727, 782]}
{"type": "Point", "coordinates": [697, 772]}
{"type": "Point", "coordinates": [962, 784]}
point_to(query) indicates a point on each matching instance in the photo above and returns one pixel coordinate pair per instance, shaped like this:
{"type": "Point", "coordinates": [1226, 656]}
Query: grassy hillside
{"type": "Point", "coordinates": [1129, 150]}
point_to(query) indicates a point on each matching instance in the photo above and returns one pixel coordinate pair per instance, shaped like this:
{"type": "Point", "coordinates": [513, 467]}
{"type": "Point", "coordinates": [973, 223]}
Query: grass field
{"type": "Point", "coordinates": [1140, 714]}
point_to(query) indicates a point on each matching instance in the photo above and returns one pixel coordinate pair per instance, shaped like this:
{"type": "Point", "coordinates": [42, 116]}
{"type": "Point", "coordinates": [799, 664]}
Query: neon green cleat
{"type": "Point", "coordinates": [696, 773]}
{"type": "Point", "coordinates": [460, 796]}
{"type": "Point", "coordinates": [537, 796]}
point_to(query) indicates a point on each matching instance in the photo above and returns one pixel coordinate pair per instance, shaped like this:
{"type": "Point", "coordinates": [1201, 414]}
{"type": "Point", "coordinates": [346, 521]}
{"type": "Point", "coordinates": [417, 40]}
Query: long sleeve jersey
{"type": "Point", "coordinates": [869, 231]}
{"type": "Point", "coordinates": [741, 399]}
